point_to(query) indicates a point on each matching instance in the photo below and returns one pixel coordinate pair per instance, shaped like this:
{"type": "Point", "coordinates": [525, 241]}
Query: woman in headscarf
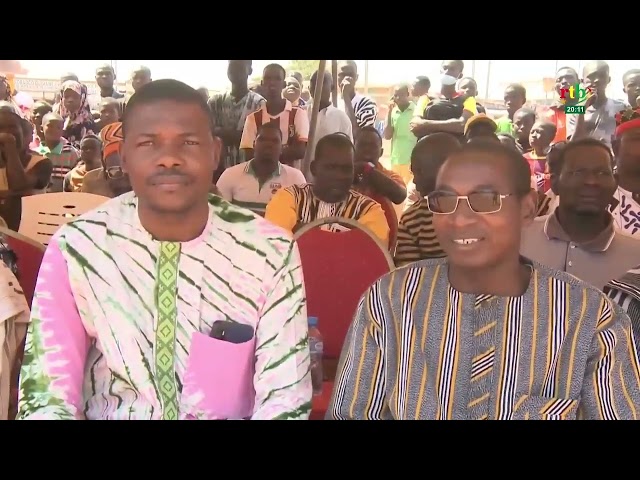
{"type": "Point", "coordinates": [110, 180]}
{"type": "Point", "coordinates": [74, 109]}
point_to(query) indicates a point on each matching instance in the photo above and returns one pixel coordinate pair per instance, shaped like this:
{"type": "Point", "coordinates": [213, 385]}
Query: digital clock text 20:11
{"type": "Point", "coordinates": [574, 109]}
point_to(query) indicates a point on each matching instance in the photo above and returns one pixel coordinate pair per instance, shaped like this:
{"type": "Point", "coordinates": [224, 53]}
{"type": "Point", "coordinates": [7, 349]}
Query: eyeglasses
{"type": "Point", "coordinates": [443, 203]}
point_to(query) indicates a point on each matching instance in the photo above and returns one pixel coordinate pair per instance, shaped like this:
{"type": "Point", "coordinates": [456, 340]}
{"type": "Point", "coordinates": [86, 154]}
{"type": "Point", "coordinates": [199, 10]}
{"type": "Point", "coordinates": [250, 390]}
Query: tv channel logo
{"type": "Point", "coordinates": [573, 96]}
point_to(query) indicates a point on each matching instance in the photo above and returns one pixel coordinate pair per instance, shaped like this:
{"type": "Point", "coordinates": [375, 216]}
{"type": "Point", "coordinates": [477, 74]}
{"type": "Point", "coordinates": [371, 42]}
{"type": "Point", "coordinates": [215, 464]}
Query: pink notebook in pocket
{"type": "Point", "coordinates": [218, 382]}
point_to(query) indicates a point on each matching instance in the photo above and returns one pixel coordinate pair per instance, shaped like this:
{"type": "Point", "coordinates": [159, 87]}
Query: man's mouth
{"type": "Point", "coordinates": [466, 241]}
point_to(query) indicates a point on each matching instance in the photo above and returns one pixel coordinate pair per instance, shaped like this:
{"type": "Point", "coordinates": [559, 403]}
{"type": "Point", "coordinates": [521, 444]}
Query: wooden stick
{"type": "Point", "coordinates": [334, 89]}
{"type": "Point", "coordinates": [317, 94]}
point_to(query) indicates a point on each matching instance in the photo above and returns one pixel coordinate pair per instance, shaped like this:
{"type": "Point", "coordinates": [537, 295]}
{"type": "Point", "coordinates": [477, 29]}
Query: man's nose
{"type": "Point", "coordinates": [463, 216]}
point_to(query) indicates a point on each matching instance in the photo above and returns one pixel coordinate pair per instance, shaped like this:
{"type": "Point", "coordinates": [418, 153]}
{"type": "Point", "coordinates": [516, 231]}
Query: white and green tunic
{"type": "Point", "coordinates": [120, 323]}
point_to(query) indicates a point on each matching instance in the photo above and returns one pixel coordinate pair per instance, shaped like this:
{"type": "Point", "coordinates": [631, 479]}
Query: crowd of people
{"type": "Point", "coordinates": [517, 288]}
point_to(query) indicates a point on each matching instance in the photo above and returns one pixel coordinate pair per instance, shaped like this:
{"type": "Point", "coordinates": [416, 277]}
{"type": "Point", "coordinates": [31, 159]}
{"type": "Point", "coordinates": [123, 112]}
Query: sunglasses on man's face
{"type": "Point", "coordinates": [445, 203]}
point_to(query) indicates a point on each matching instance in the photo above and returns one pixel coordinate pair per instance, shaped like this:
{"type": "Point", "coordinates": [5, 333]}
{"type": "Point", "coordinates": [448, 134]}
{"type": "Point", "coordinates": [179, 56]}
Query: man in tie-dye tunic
{"type": "Point", "coordinates": [129, 294]}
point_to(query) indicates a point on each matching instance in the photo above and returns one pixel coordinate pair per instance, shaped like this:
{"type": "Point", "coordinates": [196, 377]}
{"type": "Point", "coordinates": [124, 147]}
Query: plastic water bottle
{"type": "Point", "coordinates": [315, 350]}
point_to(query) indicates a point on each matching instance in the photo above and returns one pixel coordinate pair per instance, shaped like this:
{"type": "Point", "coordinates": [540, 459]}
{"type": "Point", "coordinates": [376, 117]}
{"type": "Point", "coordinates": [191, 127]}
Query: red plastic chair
{"type": "Point", "coordinates": [392, 219]}
{"type": "Point", "coordinates": [338, 268]}
{"type": "Point", "coordinates": [29, 255]}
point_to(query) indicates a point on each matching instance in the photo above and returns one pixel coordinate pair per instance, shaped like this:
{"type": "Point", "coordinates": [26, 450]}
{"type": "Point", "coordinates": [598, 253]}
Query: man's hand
{"type": "Point", "coordinates": [590, 101]}
{"type": "Point", "coordinates": [416, 123]}
{"type": "Point", "coordinates": [359, 167]}
{"type": "Point", "coordinates": [7, 141]}
{"type": "Point", "coordinates": [348, 88]}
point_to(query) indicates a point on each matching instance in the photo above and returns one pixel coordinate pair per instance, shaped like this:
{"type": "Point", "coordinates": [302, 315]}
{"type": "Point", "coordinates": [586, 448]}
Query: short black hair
{"type": "Point", "coordinates": [92, 136]}
{"type": "Point", "coordinates": [548, 127]}
{"type": "Point", "coordinates": [558, 152]}
{"type": "Point", "coordinates": [572, 70]}
{"type": "Point", "coordinates": [337, 140]}
{"type": "Point", "coordinates": [528, 112]}
{"type": "Point", "coordinates": [629, 73]}
{"type": "Point", "coordinates": [314, 78]}
{"type": "Point", "coordinates": [439, 144]}
{"type": "Point", "coordinates": [350, 63]}
{"type": "Point", "coordinates": [163, 90]}
{"type": "Point", "coordinates": [109, 101]}
{"type": "Point", "coordinates": [512, 140]}
{"type": "Point", "coordinates": [42, 105]}
{"type": "Point", "coordinates": [369, 129]}
{"type": "Point", "coordinates": [106, 66]}
{"type": "Point", "coordinates": [269, 126]}
{"type": "Point", "coordinates": [520, 170]}
{"type": "Point", "coordinates": [423, 80]}
{"type": "Point", "coordinates": [518, 89]}
{"type": "Point", "coordinates": [468, 79]}
{"type": "Point", "coordinates": [275, 65]}
{"type": "Point", "coordinates": [457, 63]}
{"type": "Point", "coordinates": [142, 69]}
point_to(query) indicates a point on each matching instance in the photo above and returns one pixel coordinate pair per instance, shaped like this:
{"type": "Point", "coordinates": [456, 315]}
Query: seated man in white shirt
{"type": "Point", "coordinates": [252, 184]}
{"type": "Point", "coordinates": [330, 119]}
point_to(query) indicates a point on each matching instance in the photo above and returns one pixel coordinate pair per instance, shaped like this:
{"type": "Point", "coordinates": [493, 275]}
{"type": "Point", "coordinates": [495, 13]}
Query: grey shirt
{"type": "Point", "coordinates": [601, 122]}
{"type": "Point", "coordinates": [607, 257]}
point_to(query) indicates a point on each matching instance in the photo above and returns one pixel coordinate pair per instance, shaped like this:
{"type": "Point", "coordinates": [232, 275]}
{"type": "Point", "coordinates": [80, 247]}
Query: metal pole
{"type": "Point", "coordinates": [366, 77]}
{"type": "Point", "coordinates": [486, 90]}
{"type": "Point", "coordinates": [306, 162]}
{"type": "Point", "coordinates": [334, 90]}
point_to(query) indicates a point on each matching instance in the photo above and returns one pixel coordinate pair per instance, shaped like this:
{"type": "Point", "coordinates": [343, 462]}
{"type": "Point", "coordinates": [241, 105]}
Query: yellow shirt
{"type": "Point", "coordinates": [471, 105]}
{"type": "Point", "coordinates": [421, 104]}
{"type": "Point", "coordinates": [298, 205]}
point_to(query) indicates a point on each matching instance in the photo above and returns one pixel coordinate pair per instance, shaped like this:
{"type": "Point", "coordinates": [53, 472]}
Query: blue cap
{"type": "Point", "coordinates": [313, 321]}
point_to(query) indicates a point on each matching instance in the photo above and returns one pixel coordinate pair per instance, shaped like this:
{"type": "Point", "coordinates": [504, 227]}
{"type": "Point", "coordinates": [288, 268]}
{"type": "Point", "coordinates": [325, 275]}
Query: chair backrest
{"type": "Point", "coordinates": [338, 267]}
{"type": "Point", "coordinates": [43, 215]}
{"type": "Point", "coordinates": [29, 255]}
{"type": "Point", "coordinates": [392, 219]}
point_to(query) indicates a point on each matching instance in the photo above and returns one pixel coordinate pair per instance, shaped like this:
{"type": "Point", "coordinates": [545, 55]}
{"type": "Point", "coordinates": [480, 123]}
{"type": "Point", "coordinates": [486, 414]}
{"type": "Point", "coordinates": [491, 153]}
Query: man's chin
{"type": "Point", "coordinates": [589, 212]}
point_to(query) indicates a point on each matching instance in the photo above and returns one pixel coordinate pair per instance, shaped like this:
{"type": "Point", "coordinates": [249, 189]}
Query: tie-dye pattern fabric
{"type": "Point", "coordinates": [93, 342]}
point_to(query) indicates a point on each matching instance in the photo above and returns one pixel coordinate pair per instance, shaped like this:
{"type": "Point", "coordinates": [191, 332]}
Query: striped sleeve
{"type": "Point", "coordinates": [282, 381]}
{"type": "Point", "coordinates": [359, 388]}
{"type": "Point", "coordinates": [366, 112]}
{"type": "Point", "coordinates": [416, 237]}
{"type": "Point", "coordinates": [407, 248]}
{"type": "Point", "coordinates": [611, 388]}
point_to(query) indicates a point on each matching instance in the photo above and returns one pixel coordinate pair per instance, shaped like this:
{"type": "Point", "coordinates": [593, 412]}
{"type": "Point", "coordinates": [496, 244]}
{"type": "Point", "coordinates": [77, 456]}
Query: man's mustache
{"type": "Point", "coordinates": [167, 173]}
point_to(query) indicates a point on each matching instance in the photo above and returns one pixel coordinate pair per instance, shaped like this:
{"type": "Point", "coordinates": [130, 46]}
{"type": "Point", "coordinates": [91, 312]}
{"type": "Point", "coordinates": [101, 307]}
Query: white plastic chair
{"type": "Point", "coordinates": [43, 215]}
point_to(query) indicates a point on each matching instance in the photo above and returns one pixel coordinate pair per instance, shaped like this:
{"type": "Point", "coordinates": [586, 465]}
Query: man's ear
{"type": "Point", "coordinates": [529, 207]}
{"type": "Point", "coordinates": [123, 159]}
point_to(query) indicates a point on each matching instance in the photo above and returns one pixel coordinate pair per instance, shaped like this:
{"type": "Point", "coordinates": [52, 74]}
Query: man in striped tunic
{"type": "Point", "coordinates": [485, 333]}
{"type": "Point", "coordinates": [416, 236]}
{"type": "Point", "coordinates": [362, 110]}
{"type": "Point", "coordinates": [330, 195]}
{"type": "Point", "coordinates": [166, 302]}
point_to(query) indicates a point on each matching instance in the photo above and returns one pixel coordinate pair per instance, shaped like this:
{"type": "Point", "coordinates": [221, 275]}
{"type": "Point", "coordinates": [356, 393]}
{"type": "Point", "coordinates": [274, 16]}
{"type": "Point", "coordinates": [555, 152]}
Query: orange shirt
{"type": "Point", "coordinates": [555, 114]}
